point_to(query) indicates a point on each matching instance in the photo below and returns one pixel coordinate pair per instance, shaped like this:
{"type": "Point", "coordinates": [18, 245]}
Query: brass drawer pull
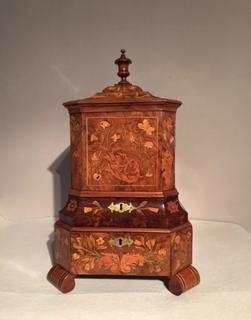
{"type": "Point", "coordinates": [121, 242]}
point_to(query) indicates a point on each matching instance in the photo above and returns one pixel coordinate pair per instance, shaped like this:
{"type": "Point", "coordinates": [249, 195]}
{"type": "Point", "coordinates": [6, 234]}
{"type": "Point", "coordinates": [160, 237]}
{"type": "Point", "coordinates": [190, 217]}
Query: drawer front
{"type": "Point", "coordinates": [118, 253]}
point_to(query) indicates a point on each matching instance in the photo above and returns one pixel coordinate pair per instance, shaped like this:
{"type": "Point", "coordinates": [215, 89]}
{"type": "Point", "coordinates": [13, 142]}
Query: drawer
{"type": "Point", "coordinates": [125, 251]}
{"type": "Point", "coordinates": [120, 253]}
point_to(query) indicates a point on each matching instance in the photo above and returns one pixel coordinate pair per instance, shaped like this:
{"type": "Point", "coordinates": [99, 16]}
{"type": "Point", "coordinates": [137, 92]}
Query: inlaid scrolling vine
{"type": "Point", "coordinates": [122, 151]}
{"type": "Point", "coordinates": [120, 253]}
{"type": "Point", "coordinates": [168, 145]}
{"type": "Point", "coordinates": [121, 207]}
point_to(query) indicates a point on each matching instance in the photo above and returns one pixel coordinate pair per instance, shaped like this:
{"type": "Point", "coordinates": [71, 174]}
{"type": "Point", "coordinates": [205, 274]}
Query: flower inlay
{"type": "Point", "coordinates": [72, 205]}
{"type": "Point", "coordinates": [116, 147]}
{"type": "Point", "coordinates": [173, 207]}
{"type": "Point", "coordinates": [120, 253]}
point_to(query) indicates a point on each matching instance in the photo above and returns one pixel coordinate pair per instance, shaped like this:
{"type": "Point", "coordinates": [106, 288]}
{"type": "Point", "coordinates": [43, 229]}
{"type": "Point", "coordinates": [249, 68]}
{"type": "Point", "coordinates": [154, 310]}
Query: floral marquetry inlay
{"type": "Point", "coordinates": [72, 205]}
{"type": "Point", "coordinates": [137, 253]}
{"type": "Point", "coordinates": [119, 207]}
{"type": "Point", "coordinates": [182, 249]}
{"type": "Point", "coordinates": [123, 90]}
{"type": "Point", "coordinates": [125, 207]}
{"type": "Point", "coordinates": [76, 149]}
{"type": "Point", "coordinates": [172, 206]}
{"type": "Point", "coordinates": [122, 151]}
{"type": "Point", "coordinates": [168, 144]}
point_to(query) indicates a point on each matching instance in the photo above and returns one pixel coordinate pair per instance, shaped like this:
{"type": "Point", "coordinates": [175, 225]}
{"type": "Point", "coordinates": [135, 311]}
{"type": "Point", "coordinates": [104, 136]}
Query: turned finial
{"type": "Point", "coordinates": [123, 63]}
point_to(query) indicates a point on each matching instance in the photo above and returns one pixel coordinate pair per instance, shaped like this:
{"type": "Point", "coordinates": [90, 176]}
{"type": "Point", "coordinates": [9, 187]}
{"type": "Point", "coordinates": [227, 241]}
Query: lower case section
{"type": "Point", "coordinates": [161, 253]}
{"type": "Point", "coordinates": [146, 212]}
{"type": "Point", "coordinates": [177, 284]}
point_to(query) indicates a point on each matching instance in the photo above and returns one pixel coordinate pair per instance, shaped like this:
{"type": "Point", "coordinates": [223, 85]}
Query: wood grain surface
{"type": "Point", "coordinates": [123, 215]}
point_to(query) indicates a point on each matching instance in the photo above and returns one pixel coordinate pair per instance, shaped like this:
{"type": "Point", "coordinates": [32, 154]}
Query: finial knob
{"type": "Point", "coordinates": [123, 63]}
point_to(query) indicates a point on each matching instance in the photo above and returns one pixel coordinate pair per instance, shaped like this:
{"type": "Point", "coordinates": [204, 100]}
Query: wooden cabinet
{"type": "Point", "coordinates": [123, 216]}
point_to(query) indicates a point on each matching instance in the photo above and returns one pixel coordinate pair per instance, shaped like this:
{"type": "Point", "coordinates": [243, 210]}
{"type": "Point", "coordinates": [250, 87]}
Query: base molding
{"type": "Point", "coordinates": [123, 194]}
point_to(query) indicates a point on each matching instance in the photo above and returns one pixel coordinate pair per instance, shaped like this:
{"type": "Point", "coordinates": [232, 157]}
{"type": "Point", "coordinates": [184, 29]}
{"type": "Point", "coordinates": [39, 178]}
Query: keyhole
{"type": "Point", "coordinates": [120, 242]}
{"type": "Point", "coordinates": [121, 206]}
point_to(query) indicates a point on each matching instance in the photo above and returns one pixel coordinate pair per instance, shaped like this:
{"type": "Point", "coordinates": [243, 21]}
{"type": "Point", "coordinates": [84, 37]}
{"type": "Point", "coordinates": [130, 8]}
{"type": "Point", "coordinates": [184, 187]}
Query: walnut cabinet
{"type": "Point", "coordinates": [123, 216]}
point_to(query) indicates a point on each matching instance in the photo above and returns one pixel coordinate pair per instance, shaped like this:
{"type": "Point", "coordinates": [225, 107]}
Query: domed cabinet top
{"type": "Point", "coordinates": [123, 91]}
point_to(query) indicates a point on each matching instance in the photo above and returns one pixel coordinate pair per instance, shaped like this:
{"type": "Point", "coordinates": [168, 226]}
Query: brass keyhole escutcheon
{"type": "Point", "coordinates": [121, 242]}
{"type": "Point", "coordinates": [121, 207]}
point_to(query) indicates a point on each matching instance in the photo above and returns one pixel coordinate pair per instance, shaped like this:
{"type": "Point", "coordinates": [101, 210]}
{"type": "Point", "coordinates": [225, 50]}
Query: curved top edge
{"type": "Point", "coordinates": [121, 101]}
{"type": "Point", "coordinates": [121, 93]}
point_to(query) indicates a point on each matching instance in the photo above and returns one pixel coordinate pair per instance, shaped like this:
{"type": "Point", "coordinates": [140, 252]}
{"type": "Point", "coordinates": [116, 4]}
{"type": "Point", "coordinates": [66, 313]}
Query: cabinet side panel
{"type": "Point", "coordinates": [167, 143]}
{"type": "Point", "coordinates": [181, 256]}
{"type": "Point", "coordinates": [76, 129]}
{"type": "Point", "coordinates": [62, 247]}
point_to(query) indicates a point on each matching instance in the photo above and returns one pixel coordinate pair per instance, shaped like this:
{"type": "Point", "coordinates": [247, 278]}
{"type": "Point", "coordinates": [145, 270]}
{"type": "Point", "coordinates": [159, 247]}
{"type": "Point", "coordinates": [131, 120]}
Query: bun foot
{"type": "Point", "coordinates": [183, 280]}
{"type": "Point", "coordinates": [61, 279]}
